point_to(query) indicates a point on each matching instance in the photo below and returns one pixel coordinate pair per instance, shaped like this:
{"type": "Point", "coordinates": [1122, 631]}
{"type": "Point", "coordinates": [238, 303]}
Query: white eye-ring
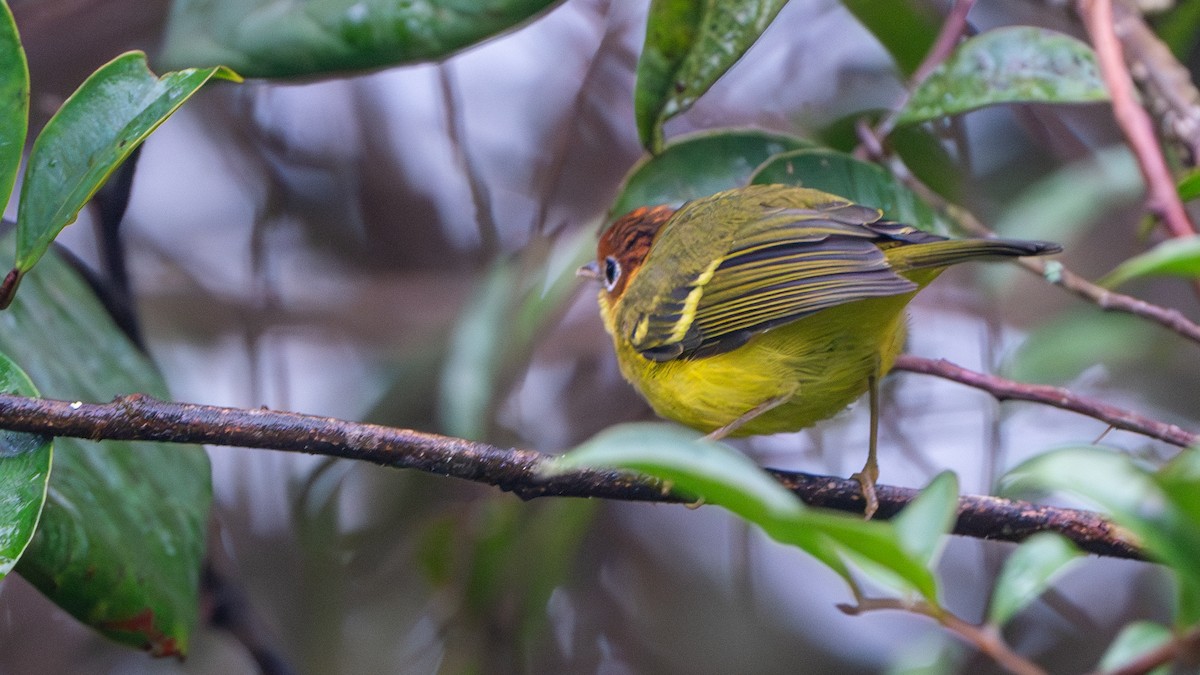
{"type": "Point", "coordinates": [612, 272]}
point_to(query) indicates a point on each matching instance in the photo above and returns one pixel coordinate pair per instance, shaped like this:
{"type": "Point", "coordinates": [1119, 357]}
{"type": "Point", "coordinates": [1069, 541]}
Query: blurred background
{"type": "Point", "coordinates": [399, 247]}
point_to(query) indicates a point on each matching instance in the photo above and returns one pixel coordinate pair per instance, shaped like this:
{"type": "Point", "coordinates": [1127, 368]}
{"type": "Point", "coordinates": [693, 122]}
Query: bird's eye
{"type": "Point", "coordinates": [612, 272]}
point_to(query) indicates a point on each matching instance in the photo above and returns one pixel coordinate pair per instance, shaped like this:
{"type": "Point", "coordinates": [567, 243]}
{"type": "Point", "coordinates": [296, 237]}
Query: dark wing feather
{"type": "Point", "coordinates": [784, 262]}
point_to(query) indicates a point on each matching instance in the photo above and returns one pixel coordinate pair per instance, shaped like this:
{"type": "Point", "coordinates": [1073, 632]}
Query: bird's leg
{"type": "Point", "coordinates": [750, 414]}
{"type": "Point", "coordinates": [870, 472]}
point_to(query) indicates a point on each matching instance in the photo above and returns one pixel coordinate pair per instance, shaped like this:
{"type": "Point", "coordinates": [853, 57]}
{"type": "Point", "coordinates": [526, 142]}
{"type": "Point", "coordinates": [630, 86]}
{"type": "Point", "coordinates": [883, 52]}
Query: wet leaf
{"type": "Point", "coordinates": [1016, 64]}
{"type": "Point", "coordinates": [122, 535]}
{"type": "Point", "coordinates": [1135, 499]}
{"type": "Point", "coordinates": [265, 38]}
{"type": "Point", "coordinates": [1133, 641]}
{"type": "Point", "coordinates": [1179, 257]}
{"type": "Point", "coordinates": [858, 181]}
{"type": "Point", "coordinates": [698, 166]}
{"type": "Point", "coordinates": [87, 139]}
{"type": "Point", "coordinates": [1028, 572]}
{"type": "Point", "coordinates": [907, 33]}
{"type": "Point", "coordinates": [923, 525]}
{"type": "Point", "coordinates": [24, 474]}
{"type": "Point", "coordinates": [14, 103]}
{"type": "Point", "coordinates": [689, 45]}
{"type": "Point", "coordinates": [719, 475]}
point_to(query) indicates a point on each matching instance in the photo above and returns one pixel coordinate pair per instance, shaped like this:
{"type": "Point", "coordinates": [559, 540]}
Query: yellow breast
{"type": "Point", "coordinates": [820, 364]}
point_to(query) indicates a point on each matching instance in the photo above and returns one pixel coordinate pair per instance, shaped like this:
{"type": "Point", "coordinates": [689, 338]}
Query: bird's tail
{"type": "Point", "coordinates": [938, 254]}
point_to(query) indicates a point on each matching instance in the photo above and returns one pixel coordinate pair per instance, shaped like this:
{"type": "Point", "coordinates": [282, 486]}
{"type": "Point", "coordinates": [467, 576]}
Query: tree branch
{"type": "Point", "coordinates": [1007, 390]}
{"type": "Point", "coordinates": [1170, 94]}
{"type": "Point", "coordinates": [1133, 119]}
{"type": "Point", "coordinates": [138, 417]}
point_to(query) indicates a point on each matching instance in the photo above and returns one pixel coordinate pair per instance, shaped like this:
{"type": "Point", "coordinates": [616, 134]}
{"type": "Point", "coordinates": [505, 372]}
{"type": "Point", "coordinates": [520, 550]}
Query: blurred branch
{"type": "Point", "coordinates": [456, 128]}
{"type": "Point", "coordinates": [1163, 200]}
{"type": "Point", "coordinates": [1007, 390]}
{"type": "Point", "coordinates": [139, 417]}
{"type": "Point", "coordinates": [988, 641]}
{"type": "Point", "coordinates": [1167, 84]}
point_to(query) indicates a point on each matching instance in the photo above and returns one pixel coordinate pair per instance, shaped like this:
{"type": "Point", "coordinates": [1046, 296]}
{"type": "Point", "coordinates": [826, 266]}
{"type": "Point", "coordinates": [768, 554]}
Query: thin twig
{"type": "Point", "coordinates": [1007, 390]}
{"type": "Point", "coordinates": [952, 30]}
{"type": "Point", "coordinates": [142, 418]}
{"type": "Point", "coordinates": [1133, 119]}
{"type": "Point", "coordinates": [986, 640]}
{"type": "Point", "coordinates": [456, 130]}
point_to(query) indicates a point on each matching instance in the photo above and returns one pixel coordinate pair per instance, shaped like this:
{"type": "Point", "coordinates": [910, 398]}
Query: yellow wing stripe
{"type": "Point", "coordinates": [688, 314]}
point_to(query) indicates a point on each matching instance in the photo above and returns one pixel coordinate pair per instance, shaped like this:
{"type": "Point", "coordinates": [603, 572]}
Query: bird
{"type": "Point", "coordinates": [768, 308]}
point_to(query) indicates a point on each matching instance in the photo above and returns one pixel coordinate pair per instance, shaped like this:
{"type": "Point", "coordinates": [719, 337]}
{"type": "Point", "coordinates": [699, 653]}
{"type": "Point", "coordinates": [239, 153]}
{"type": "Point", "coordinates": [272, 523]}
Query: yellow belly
{"type": "Point", "coordinates": [820, 364]}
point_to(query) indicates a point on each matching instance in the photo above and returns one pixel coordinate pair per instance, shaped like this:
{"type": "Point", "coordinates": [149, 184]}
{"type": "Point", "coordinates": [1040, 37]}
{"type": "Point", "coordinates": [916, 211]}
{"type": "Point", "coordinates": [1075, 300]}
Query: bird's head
{"type": "Point", "coordinates": [623, 247]}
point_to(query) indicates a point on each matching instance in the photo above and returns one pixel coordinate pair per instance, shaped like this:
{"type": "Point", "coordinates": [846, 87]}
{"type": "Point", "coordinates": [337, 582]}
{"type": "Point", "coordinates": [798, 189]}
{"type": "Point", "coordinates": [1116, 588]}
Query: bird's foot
{"type": "Point", "coordinates": [866, 478]}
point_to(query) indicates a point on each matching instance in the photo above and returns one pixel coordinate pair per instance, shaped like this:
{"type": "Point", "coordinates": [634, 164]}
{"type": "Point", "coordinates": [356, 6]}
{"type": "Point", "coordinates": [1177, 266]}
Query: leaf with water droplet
{"type": "Point", "coordinates": [689, 45]}
{"type": "Point", "coordinates": [88, 138]}
{"type": "Point", "coordinates": [1016, 64]}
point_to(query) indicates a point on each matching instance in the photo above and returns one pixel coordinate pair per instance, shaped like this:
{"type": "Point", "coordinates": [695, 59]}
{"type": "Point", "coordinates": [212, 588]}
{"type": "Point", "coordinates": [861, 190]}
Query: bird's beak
{"type": "Point", "coordinates": [590, 271]}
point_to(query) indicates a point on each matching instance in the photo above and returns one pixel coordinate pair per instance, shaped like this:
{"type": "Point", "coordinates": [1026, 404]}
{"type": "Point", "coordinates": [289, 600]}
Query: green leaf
{"type": "Point", "coordinates": [1134, 640]}
{"type": "Point", "coordinates": [266, 38]}
{"type": "Point", "coordinates": [475, 356]}
{"type": "Point", "coordinates": [1180, 480]}
{"type": "Point", "coordinates": [923, 525]}
{"type": "Point", "coordinates": [906, 33]}
{"type": "Point", "coordinates": [24, 475]}
{"type": "Point", "coordinates": [1028, 572]}
{"type": "Point", "coordinates": [1061, 206]}
{"type": "Point", "coordinates": [1134, 499]}
{"type": "Point", "coordinates": [859, 181]}
{"type": "Point", "coordinates": [1179, 257]}
{"type": "Point", "coordinates": [1058, 350]}
{"type": "Point", "coordinates": [122, 535]}
{"type": "Point", "coordinates": [700, 165]}
{"type": "Point", "coordinates": [500, 325]}
{"type": "Point", "coordinates": [689, 45]}
{"type": "Point", "coordinates": [88, 138]}
{"type": "Point", "coordinates": [14, 103]}
{"type": "Point", "coordinates": [875, 546]}
{"type": "Point", "coordinates": [717, 474]}
{"type": "Point", "coordinates": [1016, 64]}
{"type": "Point", "coordinates": [925, 154]}
{"type": "Point", "coordinates": [1179, 27]}
{"type": "Point", "coordinates": [1189, 186]}
{"type": "Point", "coordinates": [695, 466]}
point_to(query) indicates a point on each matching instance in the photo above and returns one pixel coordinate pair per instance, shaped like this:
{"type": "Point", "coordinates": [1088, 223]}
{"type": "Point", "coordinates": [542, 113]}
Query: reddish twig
{"type": "Point", "coordinates": [142, 418]}
{"type": "Point", "coordinates": [985, 639]}
{"type": "Point", "coordinates": [1170, 94]}
{"type": "Point", "coordinates": [953, 29]}
{"type": "Point", "coordinates": [1111, 301]}
{"type": "Point", "coordinates": [1133, 119]}
{"type": "Point", "coordinates": [1007, 390]}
